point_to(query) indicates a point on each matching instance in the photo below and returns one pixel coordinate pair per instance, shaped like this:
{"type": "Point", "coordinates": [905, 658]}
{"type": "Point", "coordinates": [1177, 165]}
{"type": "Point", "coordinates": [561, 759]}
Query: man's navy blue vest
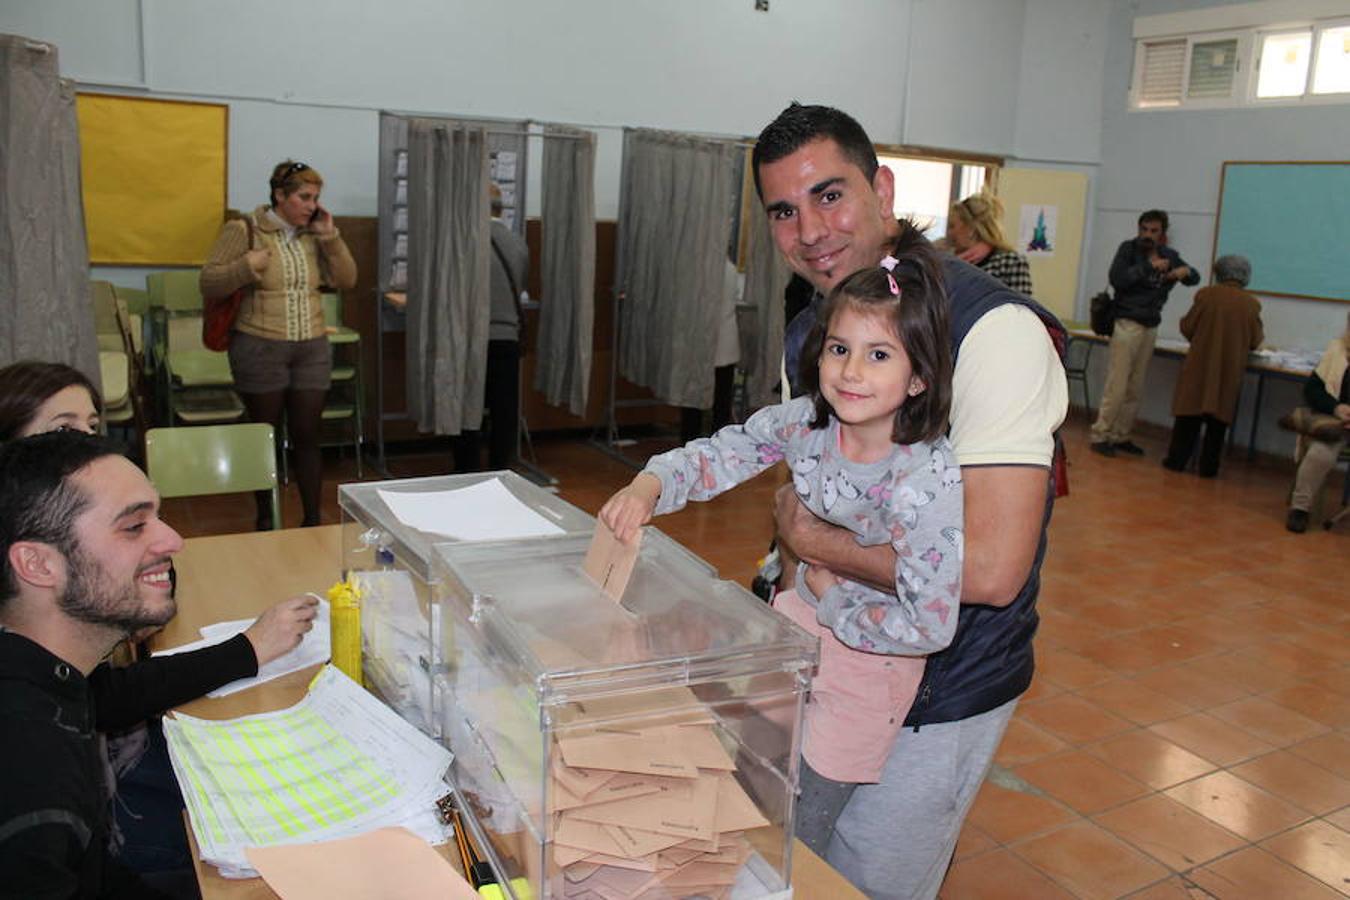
{"type": "Point", "coordinates": [990, 660]}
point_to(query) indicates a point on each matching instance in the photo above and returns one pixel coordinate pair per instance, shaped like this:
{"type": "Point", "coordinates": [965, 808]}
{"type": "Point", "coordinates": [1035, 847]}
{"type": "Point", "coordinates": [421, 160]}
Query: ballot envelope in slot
{"type": "Point", "coordinates": [645, 748]}
{"type": "Point", "coordinates": [388, 530]}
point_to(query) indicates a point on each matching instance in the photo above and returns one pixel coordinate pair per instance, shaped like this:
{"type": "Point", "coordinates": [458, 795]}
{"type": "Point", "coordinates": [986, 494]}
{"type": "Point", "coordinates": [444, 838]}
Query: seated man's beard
{"type": "Point", "coordinates": [91, 597]}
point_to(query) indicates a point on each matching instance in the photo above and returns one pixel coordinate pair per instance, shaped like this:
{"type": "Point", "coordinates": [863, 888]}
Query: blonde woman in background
{"type": "Point", "coordinates": [1326, 391]}
{"type": "Point", "coordinates": [975, 235]}
{"type": "Point", "coordinates": [279, 354]}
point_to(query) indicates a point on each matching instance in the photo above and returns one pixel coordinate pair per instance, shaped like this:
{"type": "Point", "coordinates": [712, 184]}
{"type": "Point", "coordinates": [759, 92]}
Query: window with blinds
{"type": "Point", "coordinates": [1214, 66]}
{"type": "Point", "coordinates": [1163, 70]}
{"type": "Point", "coordinates": [1294, 63]}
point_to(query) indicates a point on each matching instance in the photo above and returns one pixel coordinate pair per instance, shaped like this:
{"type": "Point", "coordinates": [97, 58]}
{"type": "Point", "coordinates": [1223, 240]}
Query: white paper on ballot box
{"type": "Point", "coordinates": [480, 512]}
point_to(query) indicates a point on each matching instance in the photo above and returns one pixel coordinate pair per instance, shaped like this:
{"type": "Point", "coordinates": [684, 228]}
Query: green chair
{"type": "Point", "coordinates": [214, 459]}
{"type": "Point", "coordinates": [169, 294]}
{"type": "Point", "coordinates": [347, 374]}
{"type": "Point", "coordinates": [197, 382]}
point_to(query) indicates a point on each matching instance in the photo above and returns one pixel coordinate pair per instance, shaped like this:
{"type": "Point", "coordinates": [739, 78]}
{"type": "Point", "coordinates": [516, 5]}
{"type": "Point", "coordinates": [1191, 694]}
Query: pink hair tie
{"type": "Point", "coordinates": [889, 263]}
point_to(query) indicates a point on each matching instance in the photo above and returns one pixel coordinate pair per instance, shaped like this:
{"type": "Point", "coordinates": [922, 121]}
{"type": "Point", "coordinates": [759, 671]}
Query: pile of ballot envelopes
{"type": "Point", "coordinates": [649, 812]}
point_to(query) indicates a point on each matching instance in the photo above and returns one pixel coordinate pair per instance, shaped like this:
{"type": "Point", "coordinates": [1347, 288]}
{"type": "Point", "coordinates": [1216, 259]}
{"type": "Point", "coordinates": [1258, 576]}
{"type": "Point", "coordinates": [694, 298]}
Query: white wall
{"type": "Point", "coordinates": [306, 78]}
{"type": "Point", "coordinates": [1172, 159]}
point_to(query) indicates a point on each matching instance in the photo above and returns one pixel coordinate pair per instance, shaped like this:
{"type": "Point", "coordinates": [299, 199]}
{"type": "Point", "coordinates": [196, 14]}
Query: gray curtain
{"type": "Point", "coordinates": [675, 220]}
{"type": "Point", "coordinates": [44, 261]}
{"type": "Point", "coordinates": [766, 277]}
{"type": "Point", "coordinates": [448, 272]}
{"type": "Point", "coordinates": [567, 308]}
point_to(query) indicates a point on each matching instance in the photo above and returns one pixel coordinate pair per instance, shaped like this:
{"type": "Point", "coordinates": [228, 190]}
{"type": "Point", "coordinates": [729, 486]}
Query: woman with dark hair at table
{"type": "Point", "coordinates": [37, 397]}
{"type": "Point", "coordinates": [279, 354]}
{"type": "Point", "coordinates": [1224, 327]}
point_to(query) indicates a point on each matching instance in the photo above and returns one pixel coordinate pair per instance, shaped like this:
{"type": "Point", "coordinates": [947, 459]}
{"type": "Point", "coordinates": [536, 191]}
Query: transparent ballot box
{"type": "Point", "coordinates": [388, 530]}
{"type": "Point", "coordinates": [644, 749]}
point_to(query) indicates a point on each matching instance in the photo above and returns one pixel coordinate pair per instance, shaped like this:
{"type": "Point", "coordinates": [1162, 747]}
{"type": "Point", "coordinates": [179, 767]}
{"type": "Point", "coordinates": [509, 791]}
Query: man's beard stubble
{"type": "Point", "coordinates": [90, 598]}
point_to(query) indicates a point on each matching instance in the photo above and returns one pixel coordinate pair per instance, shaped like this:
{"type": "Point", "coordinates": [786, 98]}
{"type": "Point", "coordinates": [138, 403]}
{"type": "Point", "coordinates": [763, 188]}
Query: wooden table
{"type": "Point", "coordinates": [236, 575]}
{"type": "Point", "coordinates": [1177, 349]}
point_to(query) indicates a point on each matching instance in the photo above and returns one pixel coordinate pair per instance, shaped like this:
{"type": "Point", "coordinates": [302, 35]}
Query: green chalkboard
{"type": "Point", "coordinates": [1292, 221]}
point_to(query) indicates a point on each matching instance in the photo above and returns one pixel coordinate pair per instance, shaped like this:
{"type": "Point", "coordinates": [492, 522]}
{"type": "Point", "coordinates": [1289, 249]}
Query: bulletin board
{"type": "Point", "coordinates": [1043, 211]}
{"type": "Point", "coordinates": [153, 175]}
{"type": "Point", "coordinates": [1292, 222]}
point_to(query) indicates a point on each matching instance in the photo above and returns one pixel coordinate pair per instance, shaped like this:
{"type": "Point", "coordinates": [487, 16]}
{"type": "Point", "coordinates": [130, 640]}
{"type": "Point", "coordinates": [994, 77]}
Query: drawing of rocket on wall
{"type": "Point", "coordinates": [1040, 241]}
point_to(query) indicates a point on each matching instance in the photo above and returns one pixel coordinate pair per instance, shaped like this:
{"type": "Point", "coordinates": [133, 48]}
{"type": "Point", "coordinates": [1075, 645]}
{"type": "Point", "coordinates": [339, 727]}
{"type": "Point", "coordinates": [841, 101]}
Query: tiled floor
{"type": "Point", "coordinates": [1188, 731]}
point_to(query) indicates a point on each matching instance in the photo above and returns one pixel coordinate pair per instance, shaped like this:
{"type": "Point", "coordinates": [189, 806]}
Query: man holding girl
{"type": "Point", "coordinates": [831, 211]}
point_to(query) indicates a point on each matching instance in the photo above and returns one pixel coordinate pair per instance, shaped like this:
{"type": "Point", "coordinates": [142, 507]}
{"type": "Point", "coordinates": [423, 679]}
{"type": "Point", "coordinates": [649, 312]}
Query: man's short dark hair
{"type": "Point", "coordinates": [800, 125]}
{"type": "Point", "coordinates": [38, 500]}
{"type": "Point", "coordinates": [1154, 215]}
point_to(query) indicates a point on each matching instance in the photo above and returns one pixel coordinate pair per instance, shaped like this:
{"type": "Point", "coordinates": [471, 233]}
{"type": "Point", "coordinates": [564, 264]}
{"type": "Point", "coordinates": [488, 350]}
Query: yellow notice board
{"type": "Point", "coordinates": [154, 178]}
{"type": "Point", "coordinates": [1043, 217]}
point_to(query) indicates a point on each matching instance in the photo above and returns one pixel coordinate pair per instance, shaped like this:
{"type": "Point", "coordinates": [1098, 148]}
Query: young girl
{"type": "Point", "coordinates": [867, 453]}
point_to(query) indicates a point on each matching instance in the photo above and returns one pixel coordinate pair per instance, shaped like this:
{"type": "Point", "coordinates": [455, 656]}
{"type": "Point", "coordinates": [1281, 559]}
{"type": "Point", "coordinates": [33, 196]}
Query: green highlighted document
{"type": "Point", "coordinates": [336, 764]}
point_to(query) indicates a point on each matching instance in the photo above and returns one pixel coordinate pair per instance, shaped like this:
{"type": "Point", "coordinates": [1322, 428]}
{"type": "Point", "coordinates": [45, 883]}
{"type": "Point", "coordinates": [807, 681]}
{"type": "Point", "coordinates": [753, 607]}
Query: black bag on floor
{"type": "Point", "coordinates": [1102, 312]}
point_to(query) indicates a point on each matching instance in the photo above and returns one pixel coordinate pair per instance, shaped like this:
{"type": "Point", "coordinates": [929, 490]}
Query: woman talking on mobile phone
{"type": "Point", "coordinates": [279, 356]}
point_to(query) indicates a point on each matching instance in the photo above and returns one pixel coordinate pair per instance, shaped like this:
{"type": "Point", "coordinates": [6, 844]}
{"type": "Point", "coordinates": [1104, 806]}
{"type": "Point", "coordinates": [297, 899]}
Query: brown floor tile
{"type": "Point", "coordinates": [1321, 850]}
{"type": "Point", "coordinates": [1041, 687]}
{"type": "Point", "coordinates": [1150, 759]}
{"type": "Point", "coordinates": [1195, 689]}
{"type": "Point", "coordinates": [1168, 831]}
{"type": "Point", "coordinates": [1254, 874]}
{"type": "Point", "coordinates": [1281, 658]}
{"type": "Point", "coordinates": [972, 842]}
{"type": "Point", "coordinates": [1074, 719]}
{"type": "Point", "coordinates": [1007, 815]}
{"type": "Point", "coordinates": [999, 876]}
{"type": "Point", "coordinates": [1174, 888]}
{"type": "Point", "coordinates": [1295, 779]}
{"type": "Point", "coordinates": [1242, 670]}
{"type": "Point", "coordinates": [1127, 653]}
{"type": "Point", "coordinates": [1237, 805]}
{"type": "Point", "coordinates": [1069, 670]}
{"type": "Point", "coordinates": [1131, 700]}
{"type": "Point", "coordinates": [1330, 751]}
{"type": "Point", "coordinates": [1340, 818]}
{"type": "Point", "coordinates": [1275, 724]}
{"type": "Point", "coordinates": [1211, 738]}
{"type": "Point", "coordinates": [1090, 861]}
{"type": "Point", "coordinates": [1024, 742]}
{"type": "Point", "coordinates": [1231, 631]}
{"type": "Point", "coordinates": [1114, 615]}
{"type": "Point", "coordinates": [1316, 702]}
{"type": "Point", "coordinates": [1081, 781]}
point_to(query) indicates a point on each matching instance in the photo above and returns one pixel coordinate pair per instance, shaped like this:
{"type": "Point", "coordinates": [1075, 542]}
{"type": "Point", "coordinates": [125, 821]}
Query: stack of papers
{"type": "Point", "coordinates": [649, 812]}
{"type": "Point", "coordinates": [337, 764]}
{"type": "Point", "coordinates": [486, 511]}
{"type": "Point", "coordinates": [315, 647]}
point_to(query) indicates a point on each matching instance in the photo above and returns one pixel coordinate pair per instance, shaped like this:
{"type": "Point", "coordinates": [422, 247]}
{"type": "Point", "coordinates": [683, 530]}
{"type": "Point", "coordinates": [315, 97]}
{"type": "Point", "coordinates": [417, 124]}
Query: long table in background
{"type": "Point", "coordinates": [1175, 348]}
{"type": "Point", "coordinates": [236, 575]}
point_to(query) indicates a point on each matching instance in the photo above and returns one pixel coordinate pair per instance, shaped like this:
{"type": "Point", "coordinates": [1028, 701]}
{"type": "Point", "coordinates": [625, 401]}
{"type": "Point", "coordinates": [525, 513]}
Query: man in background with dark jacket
{"type": "Point", "coordinates": [1143, 273]}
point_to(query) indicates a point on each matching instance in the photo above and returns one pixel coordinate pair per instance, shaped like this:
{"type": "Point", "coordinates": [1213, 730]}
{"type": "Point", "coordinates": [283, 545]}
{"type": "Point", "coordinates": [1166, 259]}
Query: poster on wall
{"type": "Point", "coordinates": [1037, 234]}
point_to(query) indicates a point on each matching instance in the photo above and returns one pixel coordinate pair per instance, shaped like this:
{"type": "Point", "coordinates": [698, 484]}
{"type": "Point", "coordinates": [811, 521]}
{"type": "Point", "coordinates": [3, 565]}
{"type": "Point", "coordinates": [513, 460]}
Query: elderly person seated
{"type": "Point", "coordinates": [1326, 391]}
{"type": "Point", "coordinates": [1223, 326]}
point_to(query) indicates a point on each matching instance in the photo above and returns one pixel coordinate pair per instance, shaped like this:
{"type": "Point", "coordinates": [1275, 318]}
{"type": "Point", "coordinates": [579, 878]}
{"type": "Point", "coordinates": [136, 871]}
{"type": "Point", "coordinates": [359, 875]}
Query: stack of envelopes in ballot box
{"type": "Point", "coordinates": [605, 750]}
{"type": "Point", "coordinates": [388, 530]}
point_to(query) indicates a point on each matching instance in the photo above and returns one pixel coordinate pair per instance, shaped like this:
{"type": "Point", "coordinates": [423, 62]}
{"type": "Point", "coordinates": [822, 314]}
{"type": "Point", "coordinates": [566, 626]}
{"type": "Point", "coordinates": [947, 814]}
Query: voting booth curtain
{"type": "Point", "coordinates": [44, 261]}
{"type": "Point", "coordinates": [449, 254]}
{"type": "Point", "coordinates": [766, 277]}
{"type": "Point", "coordinates": [567, 308]}
{"type": "Point", "coordinates": [675, 216]}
